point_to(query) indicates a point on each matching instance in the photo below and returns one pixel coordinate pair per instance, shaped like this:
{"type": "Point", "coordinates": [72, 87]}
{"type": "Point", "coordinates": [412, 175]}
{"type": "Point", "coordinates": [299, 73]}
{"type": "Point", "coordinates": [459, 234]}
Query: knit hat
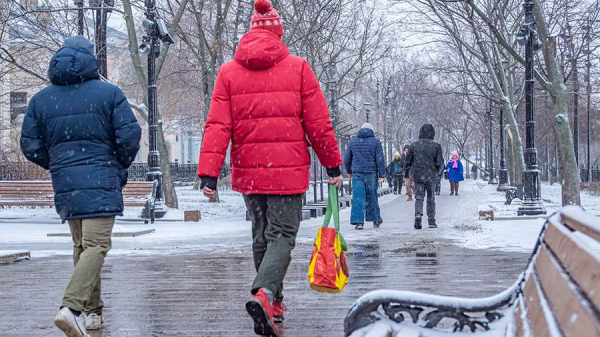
{"type": "Point", "coordinates": [368, 126]}
{"type": "Point", "coordinates": [266, 17]}
{"type": "Point", "coordinates": [397, 154]}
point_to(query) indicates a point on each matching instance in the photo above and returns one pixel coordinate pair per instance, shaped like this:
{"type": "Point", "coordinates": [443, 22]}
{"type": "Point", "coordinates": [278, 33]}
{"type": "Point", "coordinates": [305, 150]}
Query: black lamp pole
{"type": "Point", "coordinates": [492, 180]}
{"type": "Point", "coordinates": [155, 32]}
{"type": "Point", "coordinates": [588, 65]}
{"type": "Point", "coordinates": [532, 204]}
{"type": "Point", "coordinates": [502, 172]}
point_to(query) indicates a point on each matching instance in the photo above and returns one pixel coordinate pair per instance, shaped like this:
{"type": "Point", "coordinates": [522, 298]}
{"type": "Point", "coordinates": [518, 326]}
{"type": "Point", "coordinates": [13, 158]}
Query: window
{"type": "Point", "coordinates": [18, 104]}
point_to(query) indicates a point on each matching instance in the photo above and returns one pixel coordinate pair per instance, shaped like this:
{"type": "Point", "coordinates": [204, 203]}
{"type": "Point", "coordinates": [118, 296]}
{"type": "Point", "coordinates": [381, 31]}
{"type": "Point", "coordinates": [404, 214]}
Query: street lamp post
{"type": "Point", "coordinates": [502, 172]}
{"type": "Point", "coordinates": [156, 31]}
{"type": "Point", "coordinates": [79, 4]}
{"type": "Point", "coordinates": [367, 110]}
{"type": "Point", "coordinates": [588, 65]}
{"type": "Point", "coordinates": [532, 204]}
{"type": "Point", "coordinates": [492, 180]}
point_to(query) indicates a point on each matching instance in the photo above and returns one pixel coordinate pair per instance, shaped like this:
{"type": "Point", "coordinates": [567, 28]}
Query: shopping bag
{"type": "Point", "coordinates": [328, 270]}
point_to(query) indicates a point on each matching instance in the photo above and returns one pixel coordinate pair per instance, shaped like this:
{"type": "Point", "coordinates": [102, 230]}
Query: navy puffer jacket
{"type": "Point", "coordinates": [365, 154]}
{"type": "Point", "coordinates": [84, 132]}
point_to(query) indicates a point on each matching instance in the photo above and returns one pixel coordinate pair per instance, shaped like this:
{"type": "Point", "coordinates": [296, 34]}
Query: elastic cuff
{"type": "Point", "coordinates": [334, 172]}
{"type": "Point", "coordinates": [210, 182]}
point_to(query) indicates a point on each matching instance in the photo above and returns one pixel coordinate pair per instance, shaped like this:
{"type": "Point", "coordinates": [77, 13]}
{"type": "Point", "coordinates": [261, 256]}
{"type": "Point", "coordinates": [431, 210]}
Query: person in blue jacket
{"type": "Point", "coordinates": [455, 173]}
{"type": "Point", "coordinates": [83, 130]}
{"type": "Point", "coordinates": [365, 164]}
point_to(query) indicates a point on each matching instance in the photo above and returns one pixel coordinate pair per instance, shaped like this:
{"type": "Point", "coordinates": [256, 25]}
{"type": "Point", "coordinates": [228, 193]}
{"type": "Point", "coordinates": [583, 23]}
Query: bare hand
{"type": "Point", "coordinates": [208, 192]}
{"type": "Point", "coordinates": [380, 180]}
{"type": "Point", "coordinates": [350, 175]}
{"type": "Point", "coordinates": [337, 181]}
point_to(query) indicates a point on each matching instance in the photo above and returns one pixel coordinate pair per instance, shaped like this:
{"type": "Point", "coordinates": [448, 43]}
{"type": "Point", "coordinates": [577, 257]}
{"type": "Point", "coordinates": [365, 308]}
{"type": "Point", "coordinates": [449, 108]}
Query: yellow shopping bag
{"type": "Point", "coordinates": [328, 270]}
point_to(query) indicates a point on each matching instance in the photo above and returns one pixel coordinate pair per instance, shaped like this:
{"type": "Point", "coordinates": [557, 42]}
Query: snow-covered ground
{"type": "Point", "coordinates": [223, 225]}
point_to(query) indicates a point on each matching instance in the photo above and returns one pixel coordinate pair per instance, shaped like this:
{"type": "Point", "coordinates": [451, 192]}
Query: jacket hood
{"type": "Point", "coordinates": [260, 49]}
{"type": "Point", "coordinates": [427, 132]}
{"type": "Point", "coordinates": [72, 64]}
{"type": "Point", "coordinates": [366, 133]}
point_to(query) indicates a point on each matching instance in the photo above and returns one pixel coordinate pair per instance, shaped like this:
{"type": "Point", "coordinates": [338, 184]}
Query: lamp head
{"type": "Point", "coordinates": [522, 36]}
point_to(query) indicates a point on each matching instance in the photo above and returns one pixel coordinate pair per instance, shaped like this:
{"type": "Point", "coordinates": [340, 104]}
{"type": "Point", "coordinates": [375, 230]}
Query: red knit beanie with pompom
{"type": "Point", "coordinates": [266, 17]}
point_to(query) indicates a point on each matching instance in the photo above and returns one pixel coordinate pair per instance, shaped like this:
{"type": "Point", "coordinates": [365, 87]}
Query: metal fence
{"type": "Point", "coordinates": [137, 172]}
{"type": "Point", "coordinates": [585, 174]}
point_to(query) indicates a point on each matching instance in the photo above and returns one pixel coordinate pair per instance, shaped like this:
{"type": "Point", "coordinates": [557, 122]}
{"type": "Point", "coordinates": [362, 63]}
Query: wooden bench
{"type": "Point", "coordinates": [557, 295]}
{"type": "Point", "coordinates": [41, 194]}
{"type": "Point", "coordinates": [513, 193]}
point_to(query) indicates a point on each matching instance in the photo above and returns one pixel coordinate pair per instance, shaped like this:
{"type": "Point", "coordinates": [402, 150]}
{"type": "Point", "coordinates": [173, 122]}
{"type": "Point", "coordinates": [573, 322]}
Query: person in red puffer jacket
{"type": "Point", "coordinates": [267, 102]}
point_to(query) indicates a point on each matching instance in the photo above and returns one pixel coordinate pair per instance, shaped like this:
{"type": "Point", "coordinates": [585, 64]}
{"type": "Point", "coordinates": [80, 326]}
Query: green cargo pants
{"type": "Point", "coordinates": [91, 242]}
{"type": "Point", "coordinates": [275, 223]}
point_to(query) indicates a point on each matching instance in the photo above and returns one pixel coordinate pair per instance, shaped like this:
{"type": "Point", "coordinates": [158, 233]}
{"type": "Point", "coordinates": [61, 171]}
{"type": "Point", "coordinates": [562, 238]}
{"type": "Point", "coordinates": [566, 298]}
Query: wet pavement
{"type": "Point", "coordinates": [201, 292]}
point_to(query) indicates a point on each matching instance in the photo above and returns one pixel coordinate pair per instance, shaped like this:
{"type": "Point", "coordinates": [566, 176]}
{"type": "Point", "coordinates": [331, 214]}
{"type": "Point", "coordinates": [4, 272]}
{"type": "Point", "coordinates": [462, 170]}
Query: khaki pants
{"type": "Point", "coordinates": [91, 242]}
{"type": "Point", "coordinates": [409, 187]}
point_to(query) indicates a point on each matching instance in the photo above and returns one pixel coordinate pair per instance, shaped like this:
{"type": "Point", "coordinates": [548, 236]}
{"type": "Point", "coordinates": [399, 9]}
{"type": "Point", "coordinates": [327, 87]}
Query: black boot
{"type": "Point", "coordinates": [377, 224]}
{"type": "Point", "coordinates": [359, 226]}
{"type": "Point", "coordinates": [418, 222]}
{"type": "Point", "coordinates": [432, 224]}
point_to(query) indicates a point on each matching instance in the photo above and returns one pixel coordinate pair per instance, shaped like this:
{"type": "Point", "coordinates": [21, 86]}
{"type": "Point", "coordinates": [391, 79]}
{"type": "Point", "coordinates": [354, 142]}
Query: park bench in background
{"type": "Point", "coordinates": [513, 193]}
{"type": "Point", "coordinates": [41, 194]}
{"type": "Point", "coordinates": [557, 295]}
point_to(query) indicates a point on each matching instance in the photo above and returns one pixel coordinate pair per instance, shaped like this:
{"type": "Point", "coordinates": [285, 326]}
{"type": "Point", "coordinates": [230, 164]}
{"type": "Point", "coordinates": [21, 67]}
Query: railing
{"type": "Point", "coordinates": [585, 174]}
{"type": "Point", "coordinates": [137, 172]}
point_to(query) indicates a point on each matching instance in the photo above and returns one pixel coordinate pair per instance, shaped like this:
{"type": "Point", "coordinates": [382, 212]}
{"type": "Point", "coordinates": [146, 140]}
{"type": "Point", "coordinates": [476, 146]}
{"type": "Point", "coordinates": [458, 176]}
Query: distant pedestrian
{"type": "Point", "coordinates": [267, 102]}
{"type": "Point", "coordinates": [474, 172]}
{"type": "Point", "coordinates": [364, 163]}
{"type": "Point", "coordinates": [82, 130]}
{"type": "Point", "coordinates": [438, 185]}
{"type": "Point", "coordinates": [455, 173]}
{"type": "Point", "coordinates": [425, 161]}
{"type": "Point", "coordinates": [408, 182]}
{"type": "Point", "coordinates": [395, 173]}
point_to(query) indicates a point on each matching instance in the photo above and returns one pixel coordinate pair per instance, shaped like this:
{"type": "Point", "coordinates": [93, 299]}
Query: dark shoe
{"type": "Point", "coordinates": [278, 310]}
{"type": "Point", "coordinates": [261, 311]}
{"type": "Point", "coordinates": [409, 199]}
{"type": "Point", "coordinates": [377, 224]}
{"type": "Point", "coordinates": [456, 194]}
{"type": "Point", "coordinates": [432, 224]}
{"type": "Point", "coordinates": [451, 193]}
{"type": "Point", "coordinates": [359, 226]}
{"type": "Point", "coordinates": [418, 223]}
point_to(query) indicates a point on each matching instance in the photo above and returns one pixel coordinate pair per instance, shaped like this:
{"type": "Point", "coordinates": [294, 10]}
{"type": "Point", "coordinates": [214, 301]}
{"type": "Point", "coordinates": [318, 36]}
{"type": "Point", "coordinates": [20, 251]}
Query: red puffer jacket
{"type": "Point", "coordinates": [267, 102]}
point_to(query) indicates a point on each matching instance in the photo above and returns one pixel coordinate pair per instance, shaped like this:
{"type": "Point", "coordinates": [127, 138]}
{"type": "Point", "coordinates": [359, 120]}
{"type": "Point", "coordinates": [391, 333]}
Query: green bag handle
{"type": "Point", "coordinates": [333, 209]}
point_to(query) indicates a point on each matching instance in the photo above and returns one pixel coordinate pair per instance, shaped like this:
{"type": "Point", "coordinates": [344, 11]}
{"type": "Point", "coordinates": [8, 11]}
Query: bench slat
{"type": "Point", "coordinates": [535, 313]}
{"type": "Point", "coordinates": [519, 326]}
{"type": "Point", "coordinates": [571, 315]}
{"type": "Point", "coordinates": [582, 265]}
{"type": "Point", "coordinates": [570, 219]}
{"type": "Point", "coordinates": [50, 203]}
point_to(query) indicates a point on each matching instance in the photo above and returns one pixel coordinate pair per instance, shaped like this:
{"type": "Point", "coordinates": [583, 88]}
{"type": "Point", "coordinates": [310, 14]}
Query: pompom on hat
{"type": "Point", "coordinates": [266, 17]}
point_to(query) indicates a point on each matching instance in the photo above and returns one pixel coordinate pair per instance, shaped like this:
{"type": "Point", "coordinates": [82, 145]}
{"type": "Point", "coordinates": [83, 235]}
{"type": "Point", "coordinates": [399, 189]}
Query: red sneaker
{"type": "Point", "coordinates": [261, 311]}
{"type": "Point", "coordinates": [278, 310]}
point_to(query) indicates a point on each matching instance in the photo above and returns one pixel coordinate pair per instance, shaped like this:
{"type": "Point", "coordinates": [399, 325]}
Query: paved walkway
{"type": "Point", "coordinates": [201, 292]}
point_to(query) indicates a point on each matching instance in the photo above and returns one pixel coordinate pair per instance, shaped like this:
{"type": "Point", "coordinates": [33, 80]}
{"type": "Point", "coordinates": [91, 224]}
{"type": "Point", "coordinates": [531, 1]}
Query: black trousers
{"type": "Point", "coordinates": [275, 223]}
{"type": "Point", "coordinates": [422, 189]}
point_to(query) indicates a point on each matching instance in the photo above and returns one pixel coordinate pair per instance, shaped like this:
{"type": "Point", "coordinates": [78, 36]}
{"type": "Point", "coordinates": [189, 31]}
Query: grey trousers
{"type": "Point", "coordinates": [420, 190]}
{"type": "Point", "coordinates": [275, 223]}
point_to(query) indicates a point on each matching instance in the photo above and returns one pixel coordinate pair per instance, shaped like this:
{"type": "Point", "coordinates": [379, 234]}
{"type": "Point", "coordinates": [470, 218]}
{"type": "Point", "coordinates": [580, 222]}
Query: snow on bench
{"type": "Point", "coordinates": [557, 295]}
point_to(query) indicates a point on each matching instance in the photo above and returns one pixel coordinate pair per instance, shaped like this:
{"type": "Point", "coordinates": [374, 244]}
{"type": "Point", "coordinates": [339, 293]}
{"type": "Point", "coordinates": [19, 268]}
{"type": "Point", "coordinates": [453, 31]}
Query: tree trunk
{"type": "Point", "coordinates": [168, 185]}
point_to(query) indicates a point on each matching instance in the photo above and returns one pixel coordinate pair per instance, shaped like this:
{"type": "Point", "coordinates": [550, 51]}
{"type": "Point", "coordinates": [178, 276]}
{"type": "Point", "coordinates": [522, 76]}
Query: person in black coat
{"type": "Point", "coordinates": [424, 161]}
{"type": "Point", "coordinates": [83, 130]}
{"type": "Point", "coordinates": [395, 173]}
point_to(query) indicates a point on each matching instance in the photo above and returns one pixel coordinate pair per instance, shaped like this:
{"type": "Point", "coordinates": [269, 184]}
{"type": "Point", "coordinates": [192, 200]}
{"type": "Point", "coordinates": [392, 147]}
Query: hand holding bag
{"type": "Point", "coordinates": [328, 270]}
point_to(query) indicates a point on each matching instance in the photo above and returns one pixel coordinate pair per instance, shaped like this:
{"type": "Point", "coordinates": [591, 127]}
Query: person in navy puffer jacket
{"type": "Point", "coordinates": [82, 130]}
{"type": "Point", "coordinates": [365, 163]}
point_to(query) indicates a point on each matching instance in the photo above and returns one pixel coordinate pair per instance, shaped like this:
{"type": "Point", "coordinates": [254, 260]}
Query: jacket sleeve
{"type": "Point", "coordinates": [32, 142]}
{"type": "Point", "coordinates": [127, 130]}
{"type": "Point", "coordinates": [316, 120]}
{"type": "Point", "coordinates": [380, 160]}
{"type": "Point", "coordinates": [440, 158]}
{"type": "Point", "coordinates": [348, 160]}
{"type": "Point", "coordinates": [217, 131]}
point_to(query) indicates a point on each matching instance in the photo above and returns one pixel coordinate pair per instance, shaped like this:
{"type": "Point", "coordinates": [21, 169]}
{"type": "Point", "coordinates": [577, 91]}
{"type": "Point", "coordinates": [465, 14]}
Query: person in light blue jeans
{"type": "Point", "coordinates": [364, 162]}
